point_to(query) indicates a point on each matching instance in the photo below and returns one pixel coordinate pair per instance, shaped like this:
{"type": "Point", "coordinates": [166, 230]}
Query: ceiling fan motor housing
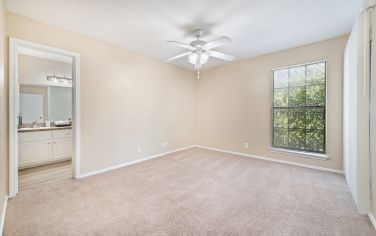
{"type": "Point", "coordinates": [198, 44]}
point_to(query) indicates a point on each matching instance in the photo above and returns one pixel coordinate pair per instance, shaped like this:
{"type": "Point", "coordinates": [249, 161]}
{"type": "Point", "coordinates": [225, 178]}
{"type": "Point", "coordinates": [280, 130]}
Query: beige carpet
{"type": "Point", "coordinates": [194, 192]}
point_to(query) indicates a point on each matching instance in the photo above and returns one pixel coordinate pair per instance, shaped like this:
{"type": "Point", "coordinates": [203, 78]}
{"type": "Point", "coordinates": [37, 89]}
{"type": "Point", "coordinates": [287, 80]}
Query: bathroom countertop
{"type": "Point", "coordinates": [43, 128]}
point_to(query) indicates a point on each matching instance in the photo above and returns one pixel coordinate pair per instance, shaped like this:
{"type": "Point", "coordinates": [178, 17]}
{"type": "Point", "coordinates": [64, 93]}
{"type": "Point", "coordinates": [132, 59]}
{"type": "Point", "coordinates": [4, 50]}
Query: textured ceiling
{"type": "Point", "coordinates": [255, 26]}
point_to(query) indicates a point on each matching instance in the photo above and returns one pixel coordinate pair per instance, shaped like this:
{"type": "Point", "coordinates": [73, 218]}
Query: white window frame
{"type": "Point", "coordinates": [299, 153]}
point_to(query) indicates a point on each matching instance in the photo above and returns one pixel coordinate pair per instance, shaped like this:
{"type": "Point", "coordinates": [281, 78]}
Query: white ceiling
{"type": "Point", "coordinates": [255, 26]}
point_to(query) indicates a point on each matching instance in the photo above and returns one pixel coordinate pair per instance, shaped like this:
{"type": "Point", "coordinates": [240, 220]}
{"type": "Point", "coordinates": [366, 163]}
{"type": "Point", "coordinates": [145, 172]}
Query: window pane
{"type": "Point", "coordinates": [297, 76]}
{"type": "Point", "coordinates": [316, 74]}
{"type": "Point", "coordinates": [316, 95]}
{"type": "Point", "coordinates": [297, 118]}
{"type": "Point", "coordinates": [299, 107]}
{"type": "Point", "coordinates": [296, 96]}
{"type": "Point", "coordinates": [315, 118]}
{"type": "Point", "coordinates": [315, 140]}
{"type": "Point", "coordinates": [280, 137]}
{"type": "Point", "coordinates": [297, 139]}
{"type": "Point", "coordinates": [281, 78]}
{"type": "Point", "coordinates": [281, 118]}
{"type": "Point", "coordinates": [280, 97]}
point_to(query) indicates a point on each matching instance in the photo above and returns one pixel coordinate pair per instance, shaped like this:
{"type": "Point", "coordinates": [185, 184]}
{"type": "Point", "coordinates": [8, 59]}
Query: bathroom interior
{"type": "Point", "coordinates": [45, 138]}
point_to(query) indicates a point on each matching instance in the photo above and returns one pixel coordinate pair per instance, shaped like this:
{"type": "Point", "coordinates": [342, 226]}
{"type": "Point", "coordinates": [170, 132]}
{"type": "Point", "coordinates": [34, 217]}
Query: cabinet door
{"type": "Point", "coordinates": [34, 153]}
{"type": "Point", "coordinates": [62, 148]}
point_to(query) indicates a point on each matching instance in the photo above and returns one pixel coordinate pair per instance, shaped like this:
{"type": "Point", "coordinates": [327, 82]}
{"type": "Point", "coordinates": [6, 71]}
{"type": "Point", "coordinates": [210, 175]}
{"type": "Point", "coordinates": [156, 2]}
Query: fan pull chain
{"type": "Point", "coordinates": [198, 73]}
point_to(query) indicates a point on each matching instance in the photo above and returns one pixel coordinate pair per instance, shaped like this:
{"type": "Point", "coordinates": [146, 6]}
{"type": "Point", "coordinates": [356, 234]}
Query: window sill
{"type": "Point", "coordinates": [300, 154]}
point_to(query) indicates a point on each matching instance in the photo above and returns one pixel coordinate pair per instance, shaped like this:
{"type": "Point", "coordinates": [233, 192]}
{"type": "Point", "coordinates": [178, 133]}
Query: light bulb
{"type": "Point", "coordinates": [192, 58]}
{"type": "Point", "coordinates": [203, 58]}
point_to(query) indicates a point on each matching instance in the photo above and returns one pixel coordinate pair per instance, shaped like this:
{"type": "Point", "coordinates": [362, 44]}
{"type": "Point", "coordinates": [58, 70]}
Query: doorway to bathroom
{"type": "Point", "coordinates": [44, 116]}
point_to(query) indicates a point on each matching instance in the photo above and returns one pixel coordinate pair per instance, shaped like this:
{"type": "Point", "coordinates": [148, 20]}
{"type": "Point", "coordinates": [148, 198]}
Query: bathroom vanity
{"type": "Point", "coordinates": [43, 145]}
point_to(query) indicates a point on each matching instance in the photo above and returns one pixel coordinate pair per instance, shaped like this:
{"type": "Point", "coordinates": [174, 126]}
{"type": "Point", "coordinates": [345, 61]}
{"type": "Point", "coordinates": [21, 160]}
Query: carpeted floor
{"type": "Point", "coordinates": [193, 192]}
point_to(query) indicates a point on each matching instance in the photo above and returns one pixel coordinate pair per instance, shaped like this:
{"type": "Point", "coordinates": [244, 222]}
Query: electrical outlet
{"type": "Point", "coordinates": [166, 144]}
{"type": "Point", "coordinates": [139, 149]}
{"type": "Point", "coordinates": [163, 144]}
{"type": "Point", "coordinates": [246, 145]}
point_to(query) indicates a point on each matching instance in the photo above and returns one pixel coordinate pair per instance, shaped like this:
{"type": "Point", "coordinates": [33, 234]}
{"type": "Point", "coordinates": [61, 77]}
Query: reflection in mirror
{"type": "Point", "coordinates": [31, 107]}
{"type": "Point", "coordinates": [59, 103]}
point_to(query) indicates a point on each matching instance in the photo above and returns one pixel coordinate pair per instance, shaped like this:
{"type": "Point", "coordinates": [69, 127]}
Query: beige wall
{"type": "Point", "coordinates": [127, 99]}
{"type": "Point", "coordinates": [234, 102]}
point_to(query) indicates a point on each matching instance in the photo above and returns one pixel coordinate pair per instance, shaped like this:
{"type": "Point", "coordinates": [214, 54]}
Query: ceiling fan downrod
{"type": "Point", "coordinates": [198, 33]}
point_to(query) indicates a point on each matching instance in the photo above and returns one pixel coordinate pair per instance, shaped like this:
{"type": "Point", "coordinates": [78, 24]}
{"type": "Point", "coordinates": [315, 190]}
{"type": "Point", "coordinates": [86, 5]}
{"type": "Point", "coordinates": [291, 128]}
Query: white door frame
{"type": "Point", "coordinates": [15, 47]}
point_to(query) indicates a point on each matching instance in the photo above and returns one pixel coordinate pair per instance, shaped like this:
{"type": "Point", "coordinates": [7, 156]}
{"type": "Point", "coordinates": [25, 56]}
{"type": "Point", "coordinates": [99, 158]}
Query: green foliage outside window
{"type": "Point", "coordinates": [299, 97]}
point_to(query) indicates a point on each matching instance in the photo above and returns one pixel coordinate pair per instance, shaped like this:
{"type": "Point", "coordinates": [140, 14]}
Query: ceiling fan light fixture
{"type": "Point", "coordinates": [203, 58]}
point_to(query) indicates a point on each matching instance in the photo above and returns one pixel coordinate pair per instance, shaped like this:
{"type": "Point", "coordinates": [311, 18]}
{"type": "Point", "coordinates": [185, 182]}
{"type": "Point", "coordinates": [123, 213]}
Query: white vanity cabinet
{"type": "Point", "coordinates": [42, 147]}
{"type": "Point", "coordinates": [34, 153]}
{"type": "Point", "coordinates": [62, 144]}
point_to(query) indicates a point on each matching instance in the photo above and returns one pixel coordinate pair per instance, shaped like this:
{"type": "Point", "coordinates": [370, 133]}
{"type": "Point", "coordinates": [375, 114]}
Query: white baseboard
{"type": "Point", "coordinates": [133, 162]}
{"type": "Point", "coordinates": [3, 215]}
{"type": "Point", "coordinates": [273, 159]}
{"type": "Point", "coordinates": [373, 219]}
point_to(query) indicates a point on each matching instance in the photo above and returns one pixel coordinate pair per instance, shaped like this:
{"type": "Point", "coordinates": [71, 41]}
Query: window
{"type": "Point", "coordinates": [299, 98]}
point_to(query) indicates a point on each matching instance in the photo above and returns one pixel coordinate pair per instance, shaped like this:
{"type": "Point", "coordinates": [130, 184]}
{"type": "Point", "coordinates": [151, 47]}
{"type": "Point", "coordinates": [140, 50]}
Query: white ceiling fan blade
{"type": "Point", "coordinates": [178, 56]}
{"type": "Point", "coordinates": [216, 43]}
{"type": "Point", "coordinates": [221, 55]}
{"type": "Point", "coordinates": [183, 45]}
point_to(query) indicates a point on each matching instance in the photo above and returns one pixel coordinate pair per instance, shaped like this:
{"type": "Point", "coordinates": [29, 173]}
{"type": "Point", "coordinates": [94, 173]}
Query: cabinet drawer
{"type": "Point", "coordinates": [59, 134]}
{"type": "Point", "coordinates": [34, 136]}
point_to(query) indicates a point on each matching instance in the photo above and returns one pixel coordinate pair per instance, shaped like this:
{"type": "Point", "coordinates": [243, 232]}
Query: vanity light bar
{"type": "Point", "coordinates": [57, 78]}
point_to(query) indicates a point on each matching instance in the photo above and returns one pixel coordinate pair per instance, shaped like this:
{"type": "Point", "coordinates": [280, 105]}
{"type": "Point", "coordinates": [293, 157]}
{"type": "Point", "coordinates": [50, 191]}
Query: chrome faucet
{"type": "Point", "coordinates": [35, 124]}
{"type": "Point", "coordinates": [19, 120]}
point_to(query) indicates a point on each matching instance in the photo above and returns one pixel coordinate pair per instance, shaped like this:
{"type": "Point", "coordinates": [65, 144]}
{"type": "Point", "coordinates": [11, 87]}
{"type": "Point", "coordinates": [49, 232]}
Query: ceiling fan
{"type": "Point", "coordinates": [200, 51]}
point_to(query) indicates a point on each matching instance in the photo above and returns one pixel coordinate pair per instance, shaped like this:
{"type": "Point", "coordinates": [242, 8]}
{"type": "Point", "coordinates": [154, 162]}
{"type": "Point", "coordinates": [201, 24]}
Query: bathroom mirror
{"type": "Point", "coordinates": [31, 107]}
{"type": "Point", "coordinates": [45, 102]}
{"type": "Point", "coordinates": [59, 103]}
